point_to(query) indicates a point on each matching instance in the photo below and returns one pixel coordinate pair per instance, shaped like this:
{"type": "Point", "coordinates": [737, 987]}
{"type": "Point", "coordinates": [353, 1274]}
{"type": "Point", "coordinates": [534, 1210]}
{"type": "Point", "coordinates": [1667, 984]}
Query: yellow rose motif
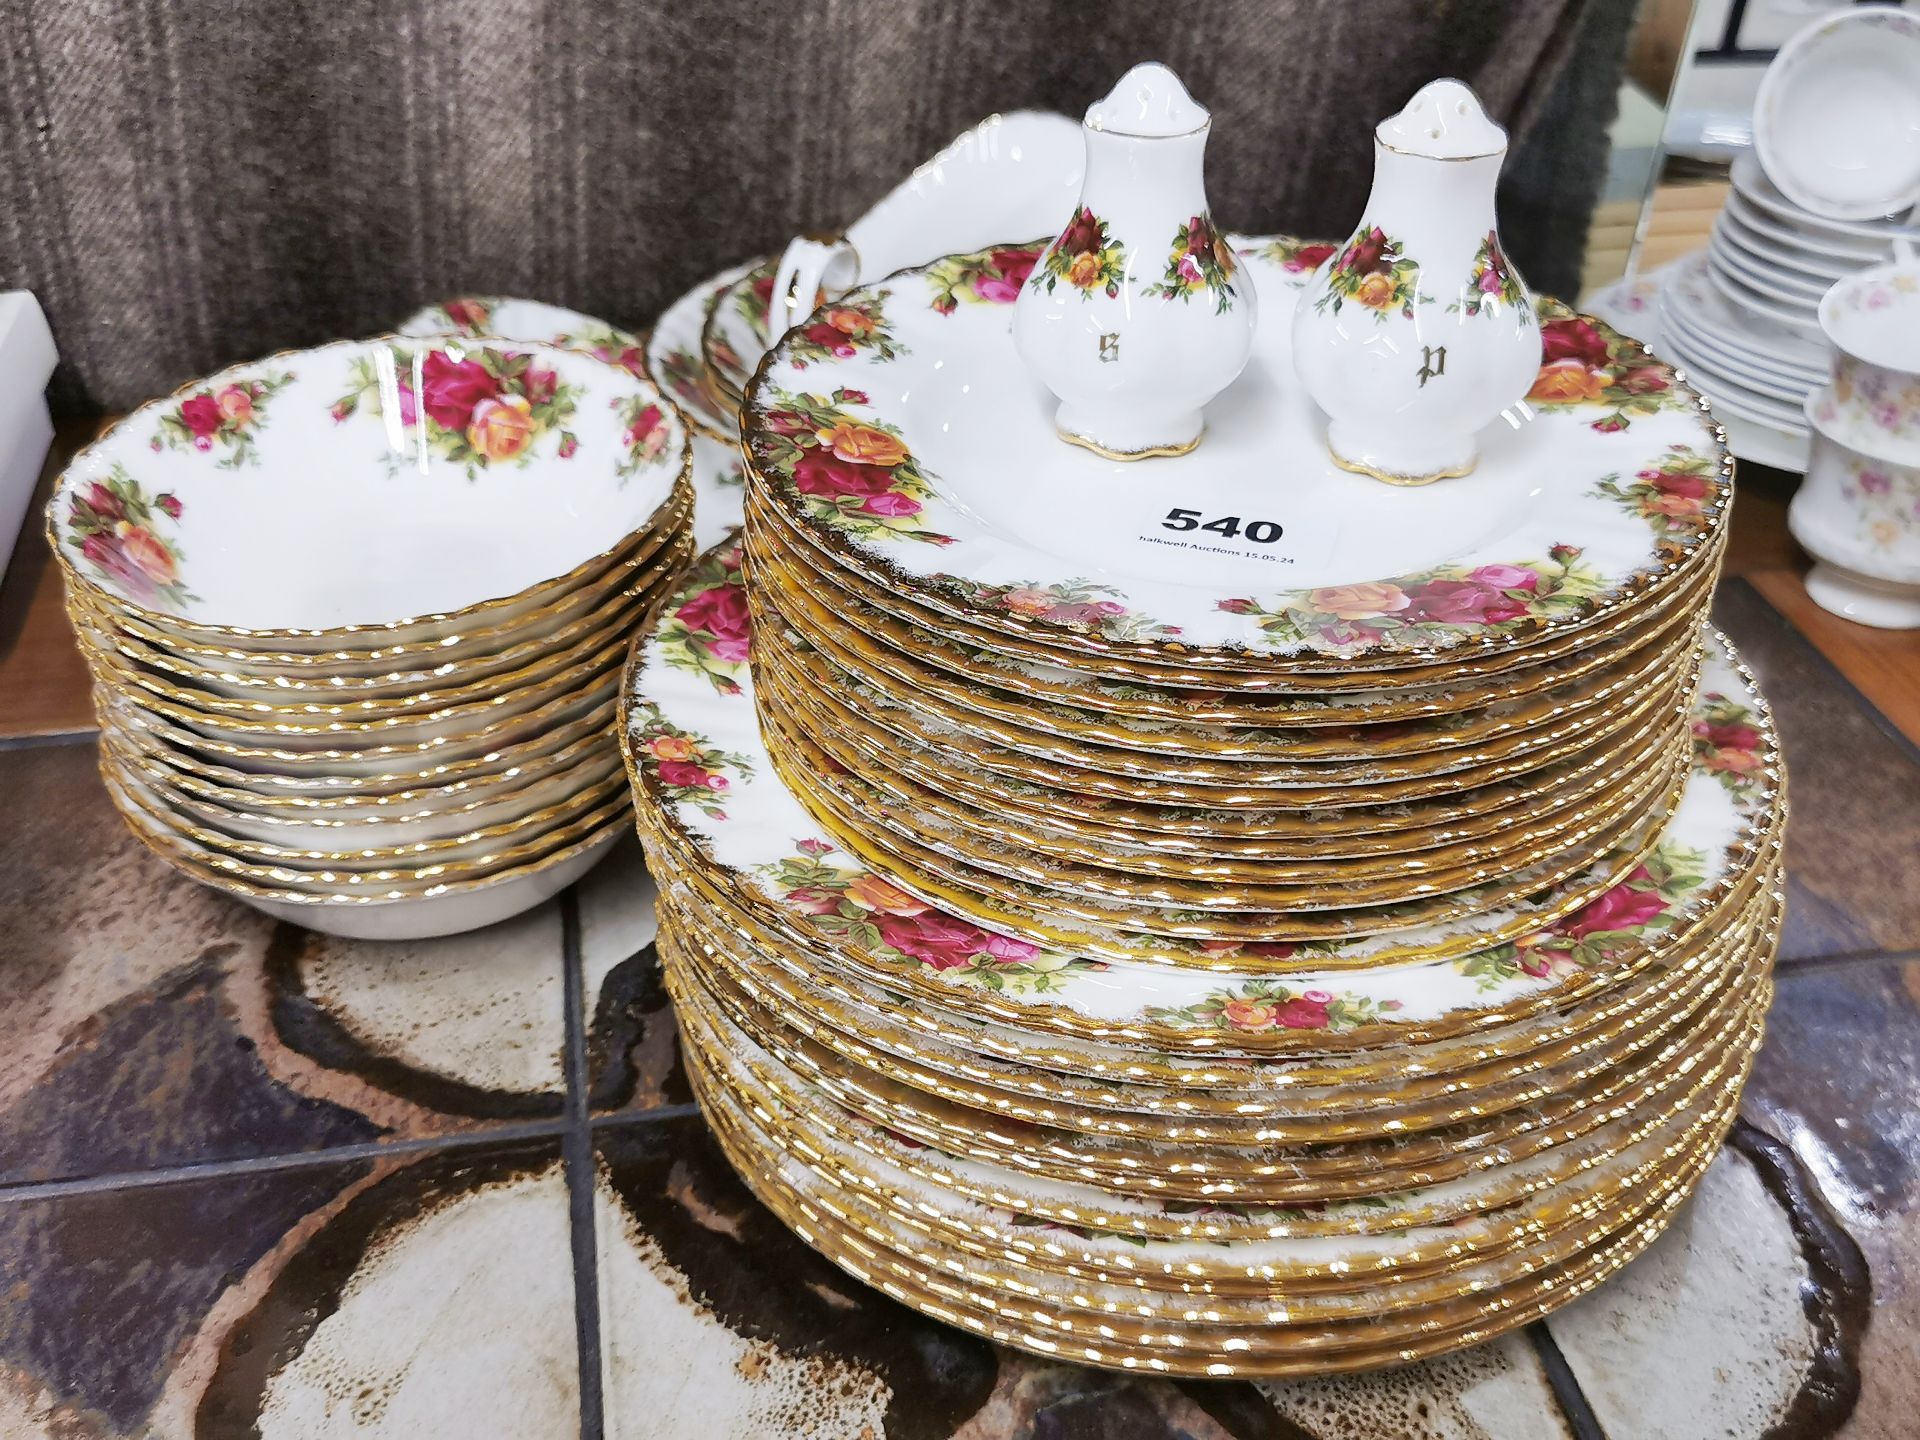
{"type": "Point", "coordinates": [154, 560]}
{"type": "Point", "coordinates": [1885, 532]}
{"type": "Point", "coordinates": [1084, 271]}
{"type": "Point", "coordinates": [873, 893]}
{"type": "Point", "coordinates": [1569, 381]}
{"type": "Point", "coordinates": [1026, 600]}
{"type": "Point", "coordinates": [850, 322]}
{"type": "Point", "coordinates": [1362, 601]}
{"type": "Point", "coordinates": [235, 404]}
{"type": "Point", "coordinates": [501, 428]}
{"type": "Point", "coordinates": [670, 747]}
{"type": "Point", "coordinates": [862, 444]}
{"type": "Point", "coordinates": [1375, 291]}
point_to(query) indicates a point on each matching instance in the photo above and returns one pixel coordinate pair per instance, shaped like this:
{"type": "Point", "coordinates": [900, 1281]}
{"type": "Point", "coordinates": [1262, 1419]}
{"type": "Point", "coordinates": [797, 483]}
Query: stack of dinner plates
{"type": "Point", "coordinates": [1220, 915]}
{"type": "Point", "coordinates": [356, 617]}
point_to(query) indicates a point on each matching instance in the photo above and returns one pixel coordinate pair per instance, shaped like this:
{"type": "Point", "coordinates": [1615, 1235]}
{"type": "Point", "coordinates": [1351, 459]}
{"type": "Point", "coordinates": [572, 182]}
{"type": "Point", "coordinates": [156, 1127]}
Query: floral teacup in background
{"type": "Point", "coordinates": [1872, 321]}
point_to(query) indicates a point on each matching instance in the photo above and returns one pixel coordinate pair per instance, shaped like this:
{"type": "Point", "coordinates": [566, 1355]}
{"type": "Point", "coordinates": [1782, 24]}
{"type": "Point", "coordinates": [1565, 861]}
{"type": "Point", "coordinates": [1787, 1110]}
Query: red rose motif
{"type": "Point", "coordinates": [104, 503]}
{"type": "Point", "coordinates": [1015, 265]}
{"type": "Point", "coordinates": [830, 338]}
{"type": "Point", "coordinates": [467, 315]}
{"type": "Point", "coordinates": [787, 422]}
{"type": "Point", "coordinates": [1082, 236]}
{"type": "Point", "coordinates": [942, 941]}
{"type": "Point", "coordinates": [1689, 487]}
{"type": "Point", "coordinates": [1505, 577]}
{"type": "Point", "coordinates": [1237, 607]}
{"type": "Point", "coordinates": [104, 550]}
{"type": "Point", "coordinates": [1729, 737]}
{"type": "Point", "coordinates": [683, 774]}
{"type": "Point", "coordinates": [1309, 257]}
{"type": "Point", "coordinates": [451, 389]}
{"type": "Point", "coordinates": [539, 386]}
{"type": "Point", "coordinates": [891, 504]}
{"type": "Point", "coordinates": [1642, 380]}
{"type": "Point", "coordinates": [763, 287]}
{"type": "Point", "coordinates": [1572, 339]}
{"type": "Point", "coordinates": [170, 505]}
{"type": "Point", "coordinates": [1302, 1014]}
{"type": "Point", "coordinates": [812, 900]}
{"type": "Point", "coordinates": [854, 397]}
{"type": "Point", "coordinates": [1367, 255]}
{"type": "Point", "coordinates": [201, 415]}
{"type": "Point", "coordinates": [1621, 908]}
{"type": "Point", "coordinates": [721, 612]}
{"type": "Point", "coordinates": [1462, 602]}
{"type": "Point", "coordinates": [821, 472]}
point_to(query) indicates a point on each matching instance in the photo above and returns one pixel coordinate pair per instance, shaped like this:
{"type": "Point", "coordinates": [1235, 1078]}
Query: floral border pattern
{"type": "Point", "coordinates": [709, 629]}
{"type": "Point", "coordinates": [1633, 912]}
{"type": "Point", "coordinates": [1670, 494]}
{"type": "Point", "coordinates": [644, 430]}
{"type": "Point", "coordinates": [1726, 744]}
{"type": "Point", "coordinates": [686, 766]}
{"type": "Point", "coordinates": [480, 408]}
{"type": "Point", "coordinates": [1078, 605]}
{"type": "Point", "coordinates": [1446, 601]}
{"type": "Point", "coordinates": [1580, 365]}
{"type": "Point", "coordinates": [845, 900]}
{"type": "Point", "coordinates": [1086, 256]}
{"type": "Point", "coordinates": [115, 525]}
{"type": "Point", "coordinates": [1491, 284]}
{"type": "Point", "coordinates": [1273, 1005]}
{"type": "Point", "coordinates": [855, 475]}
{"type": "Point", "coordinates": [1199, 259]}
{"type": "Point", "coordinates": [841, 331]}
{"type": "Point", "coordinates": [1374, 272]}
{"type": "Point", "coordinates": [986, 277]}
{"type": "Point", "coordinates": [227, 418]}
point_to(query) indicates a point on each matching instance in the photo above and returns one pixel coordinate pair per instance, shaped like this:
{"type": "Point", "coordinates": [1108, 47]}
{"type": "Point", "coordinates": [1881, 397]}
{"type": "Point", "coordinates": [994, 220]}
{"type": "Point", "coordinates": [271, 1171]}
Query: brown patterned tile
{"type": "Point", "coordinates": [633, 1057]}
{"type": "Point", "coordinates": [1853, 841]}
{"type": "Point", "coordinates": [715, 1320]}
{"type": "Point", "coordinates": [1839, 1081]}
{"type": "Point", "coordinates": [394, 1298]}
{"type": "Point", "coordinates": [149, 1022]}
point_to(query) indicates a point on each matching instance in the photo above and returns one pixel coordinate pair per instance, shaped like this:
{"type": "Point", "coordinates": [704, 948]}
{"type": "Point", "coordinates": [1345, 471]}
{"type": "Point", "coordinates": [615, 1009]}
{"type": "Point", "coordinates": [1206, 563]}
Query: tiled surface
{"type": "Point", "coordinates": [254, 1181]}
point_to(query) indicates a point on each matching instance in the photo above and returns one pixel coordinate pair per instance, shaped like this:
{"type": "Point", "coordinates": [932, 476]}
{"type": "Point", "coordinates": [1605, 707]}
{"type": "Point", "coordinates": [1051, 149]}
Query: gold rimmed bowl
{"type": "Point", "coordinates": [404, 672]}
{"type": "Point", "coordinates": [418, 488]}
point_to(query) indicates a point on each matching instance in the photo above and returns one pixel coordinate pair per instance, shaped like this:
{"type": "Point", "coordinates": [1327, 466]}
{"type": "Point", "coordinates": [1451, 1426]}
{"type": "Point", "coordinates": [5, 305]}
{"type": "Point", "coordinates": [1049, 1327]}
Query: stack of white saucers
{"type": "Point", "coordinates": [1829, 188]}
{"type": "Point", "coordinates": [1743, 315]}
{"type": "Point", "coordinates": [356, 617]}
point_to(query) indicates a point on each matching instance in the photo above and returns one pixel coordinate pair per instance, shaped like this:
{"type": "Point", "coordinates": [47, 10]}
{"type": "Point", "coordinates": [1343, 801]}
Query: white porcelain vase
{"type": "Point", "coordinates": [1137, 314]}
{"type": "Point", "coordinates": [1419, 333]}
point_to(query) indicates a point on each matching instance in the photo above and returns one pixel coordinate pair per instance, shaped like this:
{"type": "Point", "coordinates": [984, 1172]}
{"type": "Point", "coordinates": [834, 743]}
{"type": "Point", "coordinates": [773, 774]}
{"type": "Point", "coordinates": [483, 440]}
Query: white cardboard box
{"type": "Point", "coordinates": [27, 358]}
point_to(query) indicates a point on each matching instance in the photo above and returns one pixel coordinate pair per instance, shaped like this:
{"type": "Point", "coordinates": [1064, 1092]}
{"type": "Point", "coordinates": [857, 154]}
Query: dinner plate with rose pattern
{"type": "Point", "coordinates": [701, 770]}
{"type": "Point", "coordinates": [912, 444]}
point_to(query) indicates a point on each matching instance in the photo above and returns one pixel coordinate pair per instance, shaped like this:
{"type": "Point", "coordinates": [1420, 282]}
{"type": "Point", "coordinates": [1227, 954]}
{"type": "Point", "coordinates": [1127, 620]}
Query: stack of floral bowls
{"type": "Point", "coordinates": [356, 615]}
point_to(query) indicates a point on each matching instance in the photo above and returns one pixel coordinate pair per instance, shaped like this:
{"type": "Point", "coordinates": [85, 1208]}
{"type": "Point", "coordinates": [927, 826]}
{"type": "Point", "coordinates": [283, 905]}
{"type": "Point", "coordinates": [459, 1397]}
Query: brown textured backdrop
{"type": "Point", "coordinates": [187, 183]}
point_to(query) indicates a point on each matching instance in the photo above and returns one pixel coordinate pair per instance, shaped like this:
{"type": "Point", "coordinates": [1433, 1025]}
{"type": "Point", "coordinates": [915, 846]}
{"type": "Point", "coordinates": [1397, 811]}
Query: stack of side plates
{"type": "Point", "coordinates": [1741, 316]}
{"type": "Point", "coordinates": [1133, 912]}
{"type": "Point", "coordinates": [356, 616]}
